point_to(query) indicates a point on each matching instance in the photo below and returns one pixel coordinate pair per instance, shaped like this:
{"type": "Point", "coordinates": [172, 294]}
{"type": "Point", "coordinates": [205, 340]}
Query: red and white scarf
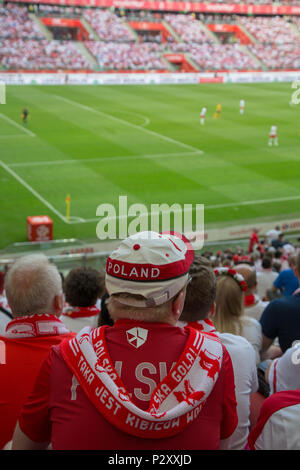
{"type": "Point", "coordinates": [175, 402]}
{"type": "Point", "coordinates": [205, 325]}
{"type": "Point", "coordinates": [35, 325]}
{"type": "Point", "coordinates": [81, 312]}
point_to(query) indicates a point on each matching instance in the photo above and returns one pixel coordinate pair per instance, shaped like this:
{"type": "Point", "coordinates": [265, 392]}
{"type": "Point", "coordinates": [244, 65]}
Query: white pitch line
{"type": "Point", "coordinates": [127, 123]}
{"type": "Point", "coordinates": [8, 136]}
{"type": "Point", "coordinates": [145, 118]}
{"type": "Point", "coordinates": [216, 206]}
{"type": "Point", "coordinates": [101, 159]}
{"type": "Point", "coordinates": [258, 201]}
{"type": "Point", "coordinates": [33, 191]}
{"type": "Point", "coordinates": [14, 123]}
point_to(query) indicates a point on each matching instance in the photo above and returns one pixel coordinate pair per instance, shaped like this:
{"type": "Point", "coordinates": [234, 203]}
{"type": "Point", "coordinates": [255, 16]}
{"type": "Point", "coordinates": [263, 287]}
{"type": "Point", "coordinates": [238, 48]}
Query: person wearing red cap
{"type": "Point", "coordinates": [143, 383]}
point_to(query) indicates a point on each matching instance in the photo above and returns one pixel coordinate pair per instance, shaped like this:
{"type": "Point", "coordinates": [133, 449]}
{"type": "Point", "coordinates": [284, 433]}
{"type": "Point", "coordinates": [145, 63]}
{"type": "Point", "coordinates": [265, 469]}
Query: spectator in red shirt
{"type": "Point", "coordinates": [34, 292]}
{"type": "Point", "coordinates": [254, 241]}
{"type": "Point", "coordinates": [143, 383]}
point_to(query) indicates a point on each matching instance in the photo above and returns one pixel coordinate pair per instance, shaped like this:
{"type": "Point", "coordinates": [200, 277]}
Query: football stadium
{"type": "Point", "coordinates": [121, 120]}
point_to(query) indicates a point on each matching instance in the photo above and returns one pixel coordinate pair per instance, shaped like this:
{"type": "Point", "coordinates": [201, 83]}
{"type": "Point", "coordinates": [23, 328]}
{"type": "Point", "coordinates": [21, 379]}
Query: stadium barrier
{"type": "Point", "coordinates": [70, 252]}
{"type": "Point", "coordinates": [97, 260]}
{"type": "Point", "coordinates": [151, 78]}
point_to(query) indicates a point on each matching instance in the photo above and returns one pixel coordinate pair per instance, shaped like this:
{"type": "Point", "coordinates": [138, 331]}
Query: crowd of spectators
{"type": "Point", "coordinates": [278, 41]}
{"type": "Point", "coordinates": [16, 23]}
{"type": "Point", "coordinates": [296, 21]}
{"type": "Point", "coordinates": [256, 2]}
{"type": "Point", "coordinates": [127, 56]}
{"type": "Point", "coordinates": [108, 26]}
{"type": "Point", "coordinates": [23, 45]}
{"type": "Point", "coordinates": [42, 54]}
{"type": "Point", "coordinates": [217, 18]}
{"type": "Point", "coordinates": [188, 29]}
{"type": "Point", "coordinates": [279, 56]}
{"type": "Point", "coordinates": [217, 56]}
{"type": "Point", "coordinates": [271, 30]}
{"type": "Point", "coordinates": [56, 10]}
{"type": "Point", "coordinates": [247, 299]}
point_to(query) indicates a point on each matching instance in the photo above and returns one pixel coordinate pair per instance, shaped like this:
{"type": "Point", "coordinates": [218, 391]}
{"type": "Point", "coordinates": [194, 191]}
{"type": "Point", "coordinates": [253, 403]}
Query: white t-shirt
{"type": "Point", "coordinates": [242, 103]}
{"type": "Point", "coordinates": [243, 360]}
{"type": "Point", "coordinates": [273, 234]}
{"type": "Point", "coordinates": [253, 333]}
{"type": "Point", "coordinates": [273, 130]}
{"type": "Point", "coordinates": [76, 324]}
{"type": "Point", "coordinates": [278, 424]}
{"type": "Point", "coordinates": [203, 112]}
{"type": "Point", "coordinates": [284, 372]}
{"type": "Point", "coordinates": [265, 280]}
{"type": "Point", "coordinates": [255, 310]}
{"type": "Point", "coordinates": [4, 319]}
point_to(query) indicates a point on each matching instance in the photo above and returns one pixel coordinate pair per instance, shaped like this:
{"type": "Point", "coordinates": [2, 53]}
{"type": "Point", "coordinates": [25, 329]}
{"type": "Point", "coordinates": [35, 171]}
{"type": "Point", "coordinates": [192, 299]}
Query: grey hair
{"type": "Point", "coordinates": [31, 284]}
{"type": "Point", "coordinates": [118, 310]}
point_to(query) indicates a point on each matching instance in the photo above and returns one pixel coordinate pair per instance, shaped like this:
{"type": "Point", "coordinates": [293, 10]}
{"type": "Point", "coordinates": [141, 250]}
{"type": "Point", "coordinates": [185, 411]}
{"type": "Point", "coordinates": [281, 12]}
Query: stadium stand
{"type": "Point", "coordinates": [43, 54]}
{"type": "Point", "coordinates": [281, 56]}
{"type": "Point", "coordinates": [188, 29]}
{"type": "Point", "coordinates": [16, 23]}
{"type": "Point", "coordinates": [274, 30]}
{"type": "Point", "coordinates": [231, 259]}
{"type": "Point", "coordinates": [113, 45]}
{"type": "Point", "coordinates": [125, 56]}
{"type": "Point", "coordinates": [108, 26]}
{"type": "Point", "coordinates": [219, 56]}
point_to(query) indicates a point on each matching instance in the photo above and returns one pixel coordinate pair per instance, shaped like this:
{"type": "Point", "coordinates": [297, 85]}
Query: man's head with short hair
{"type": "Point", "coordinates": [201, 291]}
{"type": "Point", "coordinates": [249, 274]}
{"type": "Point", "coordinates": [266, 262]}
{"type": "Point", "coordinates": [83, 286]}
{"type": "Point", "coordinates": [33, 286]}
{"type": "Point", "coordinates": [147, 275]}
{"type": "Point", "coordinates": [278, 254]}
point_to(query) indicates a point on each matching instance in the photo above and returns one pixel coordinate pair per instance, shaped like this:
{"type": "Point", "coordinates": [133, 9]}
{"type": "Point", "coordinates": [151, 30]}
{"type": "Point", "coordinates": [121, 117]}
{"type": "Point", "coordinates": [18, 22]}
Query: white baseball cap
{"type": "Point", "coordinates": [154, 265]}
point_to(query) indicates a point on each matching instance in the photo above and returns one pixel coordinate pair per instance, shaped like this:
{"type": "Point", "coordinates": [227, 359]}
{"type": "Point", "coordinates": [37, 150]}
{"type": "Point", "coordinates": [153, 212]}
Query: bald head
{"type": "Point", "coordinates": [249, 274]}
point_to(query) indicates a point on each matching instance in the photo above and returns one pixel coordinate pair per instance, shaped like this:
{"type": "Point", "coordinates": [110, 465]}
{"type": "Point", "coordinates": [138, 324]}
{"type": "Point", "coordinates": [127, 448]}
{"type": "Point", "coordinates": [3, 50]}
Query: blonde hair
{"type": "Point", "coordinates": [229, 311]}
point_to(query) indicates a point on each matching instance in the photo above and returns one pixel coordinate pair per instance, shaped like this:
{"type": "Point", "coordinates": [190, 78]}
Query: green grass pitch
{"type": "Point", "coordinates": [99, 142]}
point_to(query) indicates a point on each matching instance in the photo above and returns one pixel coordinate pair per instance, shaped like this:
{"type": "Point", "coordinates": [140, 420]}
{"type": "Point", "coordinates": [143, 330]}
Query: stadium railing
{"type": "Point", "coordinates": [97, 259]}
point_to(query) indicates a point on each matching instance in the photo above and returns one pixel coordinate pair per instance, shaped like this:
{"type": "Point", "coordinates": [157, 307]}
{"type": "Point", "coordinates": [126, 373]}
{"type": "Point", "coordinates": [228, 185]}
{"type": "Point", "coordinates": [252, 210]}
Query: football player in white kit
{"type": "Point", "coordinates": [242, 106]}
{"type": "Point", "coordinates": [273, 136]}
{"type": "Point", "coordinates": [202, 115]}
